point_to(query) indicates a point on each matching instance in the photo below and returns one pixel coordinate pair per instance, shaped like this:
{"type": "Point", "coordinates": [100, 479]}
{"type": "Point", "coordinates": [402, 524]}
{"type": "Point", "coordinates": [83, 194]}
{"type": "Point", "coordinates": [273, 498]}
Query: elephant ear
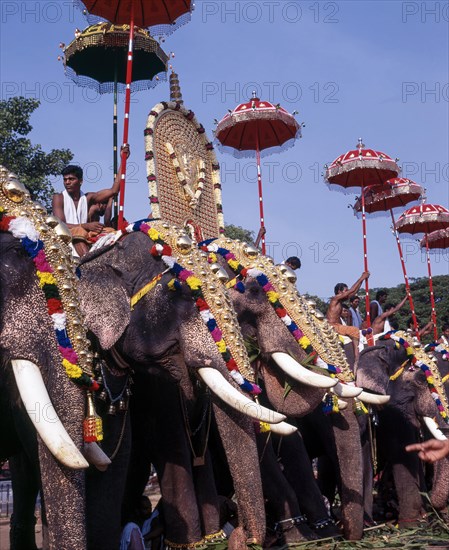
{"type": "Point", "coordinates": [105, 301]}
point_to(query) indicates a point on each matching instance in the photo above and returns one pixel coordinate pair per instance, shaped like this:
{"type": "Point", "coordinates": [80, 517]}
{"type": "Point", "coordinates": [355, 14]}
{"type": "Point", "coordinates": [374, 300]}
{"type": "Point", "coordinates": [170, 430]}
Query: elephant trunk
{"type": "Point", "coordinates": [440, 488]}
{"type": "Point", "coordinates": [237, 433]}
{"type": "Point", "coordinates": [349, 453]}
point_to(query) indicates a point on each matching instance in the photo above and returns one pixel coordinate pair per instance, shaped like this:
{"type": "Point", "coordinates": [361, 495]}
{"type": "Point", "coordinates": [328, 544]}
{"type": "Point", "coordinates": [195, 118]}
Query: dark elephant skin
{"type": "Point", "coordinates": [399, 421]}
{"type": "Point", "coordinates": [259, 321]}
{"type": "Point", "coordinates": [440, 485]}
{"type": "Point", "coordinates": [161, 328]}
{"type": "Point", "coordinates": [26, 332]}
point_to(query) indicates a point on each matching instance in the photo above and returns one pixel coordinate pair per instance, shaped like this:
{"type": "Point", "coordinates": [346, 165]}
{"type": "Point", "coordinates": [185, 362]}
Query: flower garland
{"type": "Point", "coordinates": [273, 298]}
{"type": "Point", "coordinates": [151, 166]}
{"type": "Point", "coordinates": [162, 250]}
{"type": "Point", "coordinates": [435, 346]}
{"type": "Point", "coordinates": [23, 229]}
{"type": "Point", "coordinates": [425, 368]}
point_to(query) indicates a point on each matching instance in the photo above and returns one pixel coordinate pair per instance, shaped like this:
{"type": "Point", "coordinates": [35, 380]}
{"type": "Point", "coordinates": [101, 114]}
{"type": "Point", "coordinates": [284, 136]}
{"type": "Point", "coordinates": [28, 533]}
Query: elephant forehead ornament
{"type": "Point", "coordinates": [44, 238]}
{"type": "Point", "coordinates": [312, 324]}
{"type": "Point", "coordinates": [183, 250]}
{"type": "Point", "coordinates": [427, 364]}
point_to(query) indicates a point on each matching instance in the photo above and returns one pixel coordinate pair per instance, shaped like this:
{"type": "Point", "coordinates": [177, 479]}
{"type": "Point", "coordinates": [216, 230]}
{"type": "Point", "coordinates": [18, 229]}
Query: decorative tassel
{"type": "Point", "coordinates": [335, 407]}
{"type": "Point", "coordinates": [327, 403]}
{"type": "Point", "coordinates": [264, 427]}
{"type": "Point", "coordinates": [359, 408]}
{"type": "Point", "coordinates": [92, 425]}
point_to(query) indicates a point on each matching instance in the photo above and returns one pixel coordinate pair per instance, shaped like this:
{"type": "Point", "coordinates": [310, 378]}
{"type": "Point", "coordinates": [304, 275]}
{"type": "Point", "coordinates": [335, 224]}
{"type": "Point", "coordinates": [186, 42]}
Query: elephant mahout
{"type": "Point", "coordinates": [412, 381]}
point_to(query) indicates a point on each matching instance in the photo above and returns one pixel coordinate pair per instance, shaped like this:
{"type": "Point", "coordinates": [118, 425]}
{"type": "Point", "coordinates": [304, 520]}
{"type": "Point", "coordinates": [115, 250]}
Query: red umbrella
{"type": "Point", "coordinates": [437, 239]}
{"type": "Point", "coordinates": [425, 219]}
{"type": "Point", "coordinates": [361, 168]}
{"type": "Point", "coordinates": [257, 126]}
{"type": "Point", "coordinates": [144, 13]}
{"type": "Point", "coordinates": [393, 194]}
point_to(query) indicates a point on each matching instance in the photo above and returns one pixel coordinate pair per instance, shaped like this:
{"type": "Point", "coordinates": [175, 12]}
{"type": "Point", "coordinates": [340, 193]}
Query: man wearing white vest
{"type": "Point", "coordinates": [72, 205]}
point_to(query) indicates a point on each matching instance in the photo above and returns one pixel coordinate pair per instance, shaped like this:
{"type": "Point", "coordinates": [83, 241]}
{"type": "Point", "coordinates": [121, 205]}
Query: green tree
{"type": "Point", "coordinates": [237, 232]}
{"type": "Point", "coordinates": [31, 164]}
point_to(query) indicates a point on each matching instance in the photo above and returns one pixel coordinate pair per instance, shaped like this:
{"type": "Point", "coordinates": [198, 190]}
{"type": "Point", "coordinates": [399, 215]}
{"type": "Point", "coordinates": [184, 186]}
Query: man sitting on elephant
{"type": "Point", "coordinates": [342, 293]}
{"type": "Point", "coordinates": [73, 206]}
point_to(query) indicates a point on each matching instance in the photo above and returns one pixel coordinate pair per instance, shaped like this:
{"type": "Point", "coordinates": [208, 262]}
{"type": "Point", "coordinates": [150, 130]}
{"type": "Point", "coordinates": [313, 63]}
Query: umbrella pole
{"type": "Point", "coordinates": [129, 71]}
{"type": "Point", "coordinates": [259, 183]}
{"type": "Point", "coordinates": [115, 150]}
{"type": "Point", "coordinates": [404, 271]}
{"type": "Point", "coordinates": [432, 296]}
{"type": "Point", "coordinates": [365, 262]}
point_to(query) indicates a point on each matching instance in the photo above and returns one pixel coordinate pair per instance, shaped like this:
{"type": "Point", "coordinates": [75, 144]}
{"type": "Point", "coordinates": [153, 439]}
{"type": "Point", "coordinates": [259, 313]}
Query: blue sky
{"type": "Point", "coordinates": [372, 69]}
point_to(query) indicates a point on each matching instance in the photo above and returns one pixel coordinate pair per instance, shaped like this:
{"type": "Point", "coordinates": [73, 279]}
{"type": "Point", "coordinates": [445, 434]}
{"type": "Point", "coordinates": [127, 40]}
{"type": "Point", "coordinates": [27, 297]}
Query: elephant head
{"type": "Point", "coordinates": [36, 390]}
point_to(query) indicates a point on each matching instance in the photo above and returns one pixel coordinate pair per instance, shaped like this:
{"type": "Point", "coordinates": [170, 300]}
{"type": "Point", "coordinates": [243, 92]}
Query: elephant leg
{"type": "Point", "coordinates": [25, 485]}
{"type": "Point", "coordinates": [349, 454]}
{"type": "Point", "coordinates": [207, 497]}
{"type": "Point", "coordinates": [326, 477]}
{"type": "Point", "coordinates": [288, 526]}
{"type": "Point", "coordinates": [299, 473]}
{"type": "Point", "coordinates": [406, 467]}
{"type": "Point", "coordinates": [368, 476]}
{"type": "Point", "coordinates": [237, 435]}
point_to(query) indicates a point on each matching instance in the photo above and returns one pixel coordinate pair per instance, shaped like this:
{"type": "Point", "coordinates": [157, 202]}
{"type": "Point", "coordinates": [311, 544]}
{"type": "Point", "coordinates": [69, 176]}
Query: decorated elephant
{"type": "Point", "coordinates": [36, 391]}
{"type": "Point", "coordinates": [411, 379]}
{"type": "Point", "coordinates": [271, 311]}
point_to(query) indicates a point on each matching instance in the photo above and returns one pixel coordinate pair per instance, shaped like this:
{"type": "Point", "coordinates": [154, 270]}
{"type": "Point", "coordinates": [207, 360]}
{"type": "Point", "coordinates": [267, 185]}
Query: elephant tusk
{"type": "Point", "coordinates": [221, 387]}
{"type": "Point", "coordinates": [95, 455]}
{"type": "Point", "coordinates": [433, 428]}
{"type": "Point", "coordinates": [283, 428]}
{"type": "Point", "coordinates": [346, 390]}
{"type": "Point", "coordinates": [299, 373]}
{"type": "Point", "coordinates": [342, 405]}
{"type": "Point", "coordinates": [43, 415]}
{"type": "Point", "coordinates": [373, 399]}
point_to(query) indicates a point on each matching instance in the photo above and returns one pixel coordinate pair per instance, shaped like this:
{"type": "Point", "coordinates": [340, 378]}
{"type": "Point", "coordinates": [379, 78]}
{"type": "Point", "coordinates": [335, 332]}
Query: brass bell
{"type": "Point", "coordinates": [122, 405]}
{"type": "Point", "coordinates": [111, 410]}
{"type": "Point", "coordinates": [103, 395]}
{"type": "Point", "coordinates": [99, 379]}
{"type": "Point", "coordinates": [39, 207]}
{"type": "Point", "coordinates": [63, 232]}
{"type": "Point", "coordinates": [184, 243]}
{"type": "Point", "coordinates": [128, 392]}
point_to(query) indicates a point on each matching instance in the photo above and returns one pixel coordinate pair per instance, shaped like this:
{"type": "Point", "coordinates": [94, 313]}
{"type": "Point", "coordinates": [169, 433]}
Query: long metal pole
{"type": "Point", "coordinates": [404, 271]}
{"type": "Point", "coordinates": [365, 258]}
{"type": "Point", "coordinates": [259, 183]}
{"type": "Point", "coordinates": [115, 146]}
{"type": "Point", "coordinates": [129, 71]}
{"type": "Point", "coordinates": [432, 296]}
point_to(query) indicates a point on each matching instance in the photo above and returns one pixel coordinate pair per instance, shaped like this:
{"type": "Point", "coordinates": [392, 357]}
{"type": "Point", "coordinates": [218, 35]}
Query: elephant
{"type": "Point", "coordinates": [36, 394]}
{"type": "Point", "coordinates": [381, 369]}
{"type": "Point", "coordinates": [259, 321]}
{"type": "Point", "coordinates": [163, 333]}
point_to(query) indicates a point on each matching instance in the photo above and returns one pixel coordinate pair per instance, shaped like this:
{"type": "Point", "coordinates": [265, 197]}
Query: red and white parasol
{"type": "Point", "coordinates": [421, 221]}
{"type": "Point", "coordinates": [395, 193]}
{"type": "Point", "coordinates": [257, 126]}
{"type": "Point", "coordinates": [361, 168]}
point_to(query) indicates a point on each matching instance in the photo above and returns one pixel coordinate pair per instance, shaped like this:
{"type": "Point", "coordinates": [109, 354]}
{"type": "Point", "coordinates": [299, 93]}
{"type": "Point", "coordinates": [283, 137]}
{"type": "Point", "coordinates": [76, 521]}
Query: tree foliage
{"type": "Point", "coordinates": [237, 232]}
{"type": "Point", "coordinates": [32, 165]}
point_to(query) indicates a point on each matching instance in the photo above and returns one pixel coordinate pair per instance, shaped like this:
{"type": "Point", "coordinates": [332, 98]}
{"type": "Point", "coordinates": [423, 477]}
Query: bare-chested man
{"type": "Point", "coordinates": [342, 293]}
